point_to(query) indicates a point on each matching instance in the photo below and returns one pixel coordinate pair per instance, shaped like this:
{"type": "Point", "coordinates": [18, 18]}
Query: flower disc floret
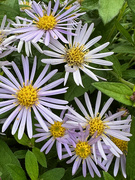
{"type": "Point", "coordinates": [27, 96]}
{"type": "Point", "coordinates": [96, 125]}
{"type": "Point", "coordinates": [46, 22]}
{"type": "Point", "coordinates": [75, 56]}
{"type": "Point", "coordinates": [83, 149]}
{"type": "Point", "coordinates": [122, 145]}
{"type": "Point", "coordinates": [57, 130]}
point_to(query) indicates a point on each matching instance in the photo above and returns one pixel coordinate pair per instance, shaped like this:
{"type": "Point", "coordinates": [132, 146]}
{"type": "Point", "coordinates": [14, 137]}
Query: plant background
{"type": "Point", "coordinates": [115, 21]}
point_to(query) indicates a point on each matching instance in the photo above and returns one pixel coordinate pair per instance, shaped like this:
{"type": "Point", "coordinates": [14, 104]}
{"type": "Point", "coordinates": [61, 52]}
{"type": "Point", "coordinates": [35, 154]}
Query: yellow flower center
{"type": "Point", "coordinates": [25, 5]}
{"type": "Point", "coordinates": [96, 124]}
{"type": "Point", "coordinates": [75, 56]}
{"type": "Point", "coordinates": [27, 96]}
{"type": "Point", "coordinates": [57, 130]}
{"type": "Point", "coordinates": [2, 37]}
{"type": "Point", "coordinates": [46, 22]}
{"type": "Point", "coordinates": [122, 145]}
{"type": "Point", "coordinates": [83, 149]}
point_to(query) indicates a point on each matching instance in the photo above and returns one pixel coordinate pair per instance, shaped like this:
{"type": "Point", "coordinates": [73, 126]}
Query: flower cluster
{"type": "Point", "coordinates": [92, 137]}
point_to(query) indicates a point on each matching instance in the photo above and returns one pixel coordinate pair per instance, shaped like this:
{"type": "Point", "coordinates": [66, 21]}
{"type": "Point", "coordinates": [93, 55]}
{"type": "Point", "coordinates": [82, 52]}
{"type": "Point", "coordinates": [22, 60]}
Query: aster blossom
{"type": "Point", "coordinates": [25, 96]}
{"type": "Point", "coordinates": [26, 4]}
{"type": "Point", "coordinates": [4, 31]}
{"type": "Point", "coordinates": [77, 54]}
{"type": "Point", "coordinates": [46, 24]}
{"type": "Point", "coordinates": [105, 125]}
{"type": "Point", "coordinates": [57, 133]}
{"type": "Point", "coordinates": [82, 151]}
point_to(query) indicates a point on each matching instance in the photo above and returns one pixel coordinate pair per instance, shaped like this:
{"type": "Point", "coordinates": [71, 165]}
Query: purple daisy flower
{"type": "Point", "coordinates": [25, 96]}
{"type": "Point", "coordinates": [105, 125]}
{"type": "Point", "coordinates": [82, 151]}
{"type": "Point", "coordinates": [78, 55]}
{"type": "Point", "coordinates": [57, 133]}
{"type": "Point", "coordinates": [46, 24]}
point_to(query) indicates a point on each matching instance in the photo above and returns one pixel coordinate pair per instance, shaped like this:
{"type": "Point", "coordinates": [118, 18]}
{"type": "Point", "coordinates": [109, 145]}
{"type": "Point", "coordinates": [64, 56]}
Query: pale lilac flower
{"type": "Point", "coordinates": [82, 151]}
{"type": "Point", "coordinates": [57, 133]}
{"type": "Point", "coordinates": [77, 54]}
{"type": "Point", "coordinates": [119, 161]}
{"type": "Point", "coordinates": [4, 31]}
{"type": "Point", "coordinates": [104, 125]}
{"type": "Point", "coordinates": [20, 43]}
{"type": "Point", "coordinates": [26, 95]}
{"type": "Point", "coordinates": [47, 23]}
{"type": "Point", "coordinates": [5, 63]}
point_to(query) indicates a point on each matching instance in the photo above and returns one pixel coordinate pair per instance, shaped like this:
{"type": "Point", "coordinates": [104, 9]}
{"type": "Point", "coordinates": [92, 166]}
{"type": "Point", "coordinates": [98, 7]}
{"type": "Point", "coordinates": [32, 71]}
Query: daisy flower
{"type": "Point", "coordinates": [119, 161]}
{"type": "Point", "coordinates": [21, 43]}
{"type": "Point", "coordinates": [46, 24]}
{"type": "Point", "coordinates": [4, 31]}
{"type": "Point", "coordinates": [99, 122]}
{"type": "Point", "coordinates": [57, 133]}
{"type": "Point", "coordinates": [77, 54]}
{"type": "Point", "coordinates": [24, 96]}
{"type": "Point", "coordinates": [82, 151]}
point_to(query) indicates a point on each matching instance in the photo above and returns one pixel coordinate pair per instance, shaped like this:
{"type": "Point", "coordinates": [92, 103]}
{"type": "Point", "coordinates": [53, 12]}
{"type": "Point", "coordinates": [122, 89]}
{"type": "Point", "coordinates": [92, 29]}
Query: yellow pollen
{"type": "Point", "coordinates": [46, 22]}
{"type": "Point", "coordinates": [57, 130]}
{"type": "Point", "coordinates": [2, 36]}
{"type": "Point", "coordinates": [83, 149]}
{"type": "Point", "coordinates": [122, 145]}
{"type": "Point", "coordinates": [27, 96]}
{"type": "Point", "coordinates": [75, 56]}
{"type": "Point", "coordinates": [96, 124]}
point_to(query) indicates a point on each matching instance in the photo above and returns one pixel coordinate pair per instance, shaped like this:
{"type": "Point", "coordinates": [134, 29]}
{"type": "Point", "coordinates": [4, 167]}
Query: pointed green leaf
{"type": "Point", "coordinates": [31, 165]}
{"type": "Point", "coordinates": [16, 172]}
{"type": "Point", "coordinates": [107, 176]}
{"type": "Point", "coordinates": [118, 91]}
{"type": "Point", "coordinates": [109, 9]}
{"type": "Point", "coordinates": [56, 173]}
{"type": "Point", "coordinates": [20, 154]}
{"type": "Point", "coordinates": [131, 4]}
{"type": "Point", "coordinates": [40, 156]}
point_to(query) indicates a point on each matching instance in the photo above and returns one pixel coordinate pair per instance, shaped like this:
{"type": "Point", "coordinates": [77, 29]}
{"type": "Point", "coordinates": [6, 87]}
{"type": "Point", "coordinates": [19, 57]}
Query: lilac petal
{"type": "Point", "coordinates": [62, 38]}
{"type": "Point", "coordinates": [49, 8]}
{"type": "Point", "coordinates": [92, 42]}
{"type": "Point", "coordinates": [89, 73]}
{"type": "Point", "coordinates": [94, 167]}
{"type": "Point", "coordinates": [39, 35]}
{"type": "Point", "coordinates": [53, 34]}
{"type": "Point", "coordinates": [31, 14]}
{"type": "Point", "coordinates": [40, 120]}
{"type": "Point", "coordinates": [38, 10]}
{"type": "Point", "coordinates": [114, 116]}
{"type": "Point", "coordinates": [47, 38]}
{"type": "Point", "coordinates": [72, 159]}
{"type": "Point", "coordinates": [7, 108]}
{"type": "Point", "coordinates": [53, 100]}
{"type": "Point", "coordinates": [53, 106]}
{"type": "Point", "coordinates": [18, 73]}
{"type": "Point", "coordinates": [10, 118]}
{"type": "Point", "coordinates": [17, 122]}
{"type": "Point", "coordinates": [81, 107]}
{"type": "Point", "coordinates": [5, 103]}
{"type": "Point", "coordinates": [98, 101]}
{"type": "Point", "coordinates": [59, 149]}
{"type": "Point", "coordinates": [46, 144]}
{"type": "Point", "coordinates": [90, 168]}
{"type": "Point", "coordinates": [33, 69]}
{"type": "Point", "coordinates": [76, 165]}
{"type": "Point", "coordinates": [3, 22]}
{"type": "Point", "coordinates": [25, 69]}
{"type": "Point", "coordinates": [106, 106]}
{"type": "Point", "coordinates": [9, 88]}
{"type": "Point", "coordinates": [66, 78]}
{"type": "Point", "coordinates": [24, 29]}
{"type": "Point", "coordinates": [84, 167]}
{"type": "Point", "coordinates": [116, 166]}
{"type": "Point", "coordinates": [29, 124]}
{"type": "Point", "coordinates": [100, 148]}
{"type": "Point", "coordinates": [55, 7]}
{"type": "Point", "coordinates": [88, 104]}
{"type": "Point", "coordinates": [50, 146]}
{"type": "Point", "coordinates": [5, 96]}
{"type": "Point", "coordinates": [123, 165]}
{"type": "Point", "coordinates": [22, 124]}
{"type": "Point", "coordinates": [52, 92]}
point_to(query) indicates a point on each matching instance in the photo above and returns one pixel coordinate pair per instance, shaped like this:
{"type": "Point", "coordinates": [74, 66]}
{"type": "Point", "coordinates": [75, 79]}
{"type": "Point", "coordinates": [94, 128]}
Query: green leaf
{"type": "Point", "coordinates": [16, 172]}
{"type": "Point", "coordinates": [24, 140]}
{"type": "Point", "coordinates": [31, 165]}
{"type": "Point", "coordinates": [127, 49]}
{"type": "Point", "coordinates": [109, 9]}
{"type": "Point", "coordinates": [129, 73]}
{"type": "Point", "coordinates": [123, 31]}
{"type": "Point", "coordinates": [20, 154]}
{"type": "Point", "coordinates": [118, 91]}
{"type": "Point", "coordinates": [56, 173]}
{"type": "Point", "coordinates": [88, 5]}
{"type": "Point", "coordinates": [107, 176]}
{"type": "Point", "coordinates": [131, 4]}
{"type": "Point", "coordinates": [76, 91]}
{"type": "Point", "coordinates": [40, 156]}
{"type": "Point", "coordinates": [6, 157]}
{"type": "Point", "coordinates": [130, 162]}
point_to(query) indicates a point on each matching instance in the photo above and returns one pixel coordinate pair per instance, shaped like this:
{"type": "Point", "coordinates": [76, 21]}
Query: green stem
{"type": "Point", "coordinates": [131, 85]}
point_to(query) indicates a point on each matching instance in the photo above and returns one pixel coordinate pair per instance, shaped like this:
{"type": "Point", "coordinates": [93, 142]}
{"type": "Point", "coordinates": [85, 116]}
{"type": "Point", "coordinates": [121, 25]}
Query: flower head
{"type": "Point", "coordinates": [82, 151]}
{"type": "Point", "coordinates": [25, 96]}
{"type": "Point", "coordinates": [57, 133]}
{"type": "Point", "coordinates": [46, 24]}
{"type": "Point", "coordinates": [25, 4]}
{"type": "Point", "coordinates": [105, 126]}
{"type": "Point", "coordinates": [77, 54]}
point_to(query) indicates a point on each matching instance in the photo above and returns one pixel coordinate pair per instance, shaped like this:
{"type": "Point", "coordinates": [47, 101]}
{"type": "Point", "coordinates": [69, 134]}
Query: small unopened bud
{"type": "Point", "coordinates": [132, 98]}
{"type": "Point", "coordinates": [123, 109]}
